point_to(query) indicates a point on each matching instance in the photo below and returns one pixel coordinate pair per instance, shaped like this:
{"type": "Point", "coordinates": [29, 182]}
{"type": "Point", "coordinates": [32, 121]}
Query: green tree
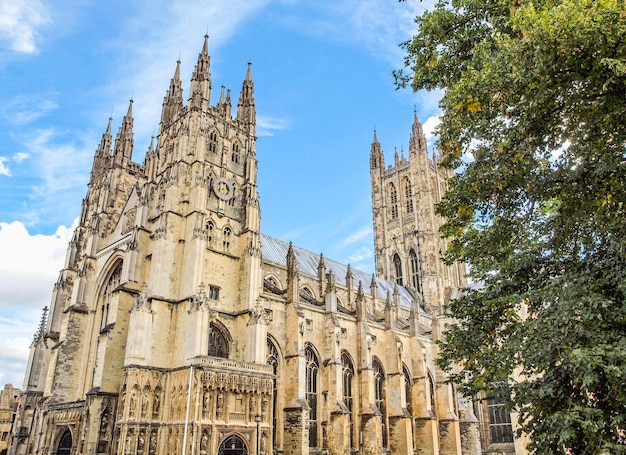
{"type": "Point", "coordinates": [534, 122]}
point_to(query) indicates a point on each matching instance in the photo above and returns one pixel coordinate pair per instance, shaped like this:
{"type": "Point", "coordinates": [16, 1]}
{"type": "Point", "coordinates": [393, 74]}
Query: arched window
{"type": "Point", "coordinates": [379, 396]}
{"type": "Point", "coordinates": [232, 445]}
{"type": "Point", "coordinates": [393, 201]}
{"type": "Point", "coordinates": [226, 239]}
{"type": "Point", "coordinates": [408, 196]}
{"type": "Point", "coordinates": [408, 191]}
{"type": "Point", "coordinates": [212, 144]}
{"type": "Point", "coordinates": [348, 383]}
{"type": "Point", "coordinates": [65, 443]}
{"type": "Point", "coordinates": [235, 154]}
{"type": "Point", "coordinates": [272, 358]}
{"type": "Point", "coordinates": [431, 389]}
{"type": "Point", "coordinates": [211, 179]}
{"type": "Point", "coordinates": [409, 398]}
{"type": "Point", "coordinates": [397, 267]}
{"type": "Point", "coordinates": [218, 342]}
{"type": "Point", "coordinates": [416, 272]}
{"type": "Point", "coordinates": [210, 231]}
{"type": "Point", "coordinates": [500, 427]}
{"type": "Point", "coordinates": [107, 294]}
{"type": "Point", "coordinates": [407, 389]}
{"type": "Point", "coordinates": [312, 396]}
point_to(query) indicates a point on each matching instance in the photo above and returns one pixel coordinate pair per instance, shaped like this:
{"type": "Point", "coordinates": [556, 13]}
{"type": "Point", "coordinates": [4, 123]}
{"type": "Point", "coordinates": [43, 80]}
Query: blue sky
{"type": "Point", "coordinates": [322, 73]}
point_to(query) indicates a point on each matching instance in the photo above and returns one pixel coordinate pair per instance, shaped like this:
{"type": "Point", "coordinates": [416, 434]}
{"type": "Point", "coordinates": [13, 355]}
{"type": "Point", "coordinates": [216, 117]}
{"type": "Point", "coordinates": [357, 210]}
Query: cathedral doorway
{"type": "Point", "coordinates": [65, 443]}
{"type": "Point", "coordinates": [233, 445]}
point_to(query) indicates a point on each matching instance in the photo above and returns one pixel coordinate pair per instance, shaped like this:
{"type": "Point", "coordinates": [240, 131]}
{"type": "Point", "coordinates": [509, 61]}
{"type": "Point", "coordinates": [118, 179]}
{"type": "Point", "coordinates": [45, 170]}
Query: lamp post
{"type": "Point", "coordinates": [257, 419]}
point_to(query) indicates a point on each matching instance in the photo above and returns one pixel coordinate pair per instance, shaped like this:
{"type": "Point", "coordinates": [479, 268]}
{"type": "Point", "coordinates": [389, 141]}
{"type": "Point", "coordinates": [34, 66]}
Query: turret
{"type": "Point", "coordinates": [173, 101]}
{"type": "Point", "coordinates": [123, 149]}
{"type": "Point", "coordinates": [418, 139]}
{"type": "Point", "coordinates": [377, 159]}
{"type": "Point", "coordinates": [200, 89]}
{"type": "Point", "coordinates": [224, 104]}
{"type": "Point", "coordinates": [103, 153]}
{"type": "Point", "coordinates": [246, 112]}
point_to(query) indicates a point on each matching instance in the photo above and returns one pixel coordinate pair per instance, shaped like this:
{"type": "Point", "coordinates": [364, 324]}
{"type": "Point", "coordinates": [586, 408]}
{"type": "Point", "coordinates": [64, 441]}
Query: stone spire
{"type": "Point", "coordinates": [123, 149]}
{"type": "Point", "coordinates": [104, 149]}
{"type": "Point", "coordinates": [418, 139]}
{"type": "Point", "coordinates": [224, 104]}
{"type": "Point", "coordinates": [373, 287]}
{"type": "Point", "coordinates": [246, 112]}
{"type": "Point", "coordinates": [41, 330]}
{"type": "Point", "coordinates": [293, 278]}
{"type": "Point", "coordinates": [292, 266]}
{"type": "Point", "coordinates": [173, 101]}
{"type": "Point", "coordinates": [103, 152]}
{"type": "Point", "coordinates": [200, 89]}
{"type": "Point", "coordinates": [377, 160]}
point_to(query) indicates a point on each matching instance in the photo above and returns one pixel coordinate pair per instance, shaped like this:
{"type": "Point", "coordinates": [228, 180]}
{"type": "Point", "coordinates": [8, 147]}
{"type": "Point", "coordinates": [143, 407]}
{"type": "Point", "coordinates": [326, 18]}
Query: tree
{"type": "Point", "coordinates": [534, 123]}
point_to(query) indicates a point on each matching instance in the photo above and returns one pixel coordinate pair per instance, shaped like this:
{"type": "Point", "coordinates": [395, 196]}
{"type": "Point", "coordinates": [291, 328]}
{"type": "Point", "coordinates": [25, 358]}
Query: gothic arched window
{"type": "Point", "coordinates": [416, 280]}
{"type": "Point", "coordinates": [397, 267]}
{"type": "Point", "coordinates": [273, 358]}
{"type": "Point", "coordinates": [393, 201]}
{"type": "Point", "coordinates": [107, 293]}
{"type": "Point", "coordinates": [379, 396]}
{"type": "Point", "coordinates": [235, 155]}
{"type": "Point", "coordinates": [312, 396]}
{"type": "Point", "coordinates": [218, 342]}
{"type": "Point", "coordinates": [409, 397]}
{"type": "Point", "coordinates": [227, 238]}
{"type": "Point", "coordinates": [65, 443]}
{"type": "Point", "coordinates": [407, 389]}
{"type": "Point", "coordinates": [212, 144]}
{"type": "Point", "coordinates": [210, 233]}
{"type": "Point", "coordinates": [348, 383]}
{"type": "Point", "coordinates": [431, 389]}
{"type": "Point", "coordinates": [408, 196]}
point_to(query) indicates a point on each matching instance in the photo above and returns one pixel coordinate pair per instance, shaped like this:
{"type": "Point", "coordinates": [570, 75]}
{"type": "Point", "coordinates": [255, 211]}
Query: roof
{"type": "Point", "coordinates": [275, 250]}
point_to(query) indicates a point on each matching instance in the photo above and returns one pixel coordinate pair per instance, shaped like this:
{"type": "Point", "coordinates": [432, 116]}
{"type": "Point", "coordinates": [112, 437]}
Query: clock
{"type": "Point", "coordinates": [223, 188]}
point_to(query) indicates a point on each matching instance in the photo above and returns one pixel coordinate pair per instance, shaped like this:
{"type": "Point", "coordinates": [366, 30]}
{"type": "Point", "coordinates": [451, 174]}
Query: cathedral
{"type": "Point", "coordinates": [177, 327]}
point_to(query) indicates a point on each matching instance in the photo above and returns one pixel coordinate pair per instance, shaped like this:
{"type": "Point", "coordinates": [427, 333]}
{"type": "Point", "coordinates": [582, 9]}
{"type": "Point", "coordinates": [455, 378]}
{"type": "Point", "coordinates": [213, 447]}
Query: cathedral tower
{"type": "Point", "coordinates": [407, 242]}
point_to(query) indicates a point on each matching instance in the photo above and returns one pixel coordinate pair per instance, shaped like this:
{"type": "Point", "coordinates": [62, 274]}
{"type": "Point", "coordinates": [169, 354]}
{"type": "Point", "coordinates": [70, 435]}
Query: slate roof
{"type": "Point", "coordinates": [275, 250]}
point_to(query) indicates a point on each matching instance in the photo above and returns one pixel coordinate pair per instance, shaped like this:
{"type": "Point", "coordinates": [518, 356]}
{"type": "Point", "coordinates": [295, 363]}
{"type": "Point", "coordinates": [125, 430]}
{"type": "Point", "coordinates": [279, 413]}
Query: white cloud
{"type": "Point", "coordinates": [60, 162]}
{"type": "Point", "coordinates": [33, 259]}
{"type": "Point", "coordinates": [376, 25]}
{"type": "Point", "coordinates": [19, 157]}
{"type": "Point", "coordinates": [28, 270]}
{"type": "Point", "coordinates": [4, 170]}
{"type": "Point", "coordinates": [356, 236]}
{"type": "Point", "coordinates": [430, 125]}
{"type": "Point", "coordinates": [162, 33]}
{"type": "Point", "coordinates": [16, 158]}
{"type": "Point", "coordinates": [20, 21]}
{"type": "Point", "coordinates": [267, 125]}
{"type": "Point", "coordinates": [25, 109]}
{"type": "Point", "coordinates": [360, 254]}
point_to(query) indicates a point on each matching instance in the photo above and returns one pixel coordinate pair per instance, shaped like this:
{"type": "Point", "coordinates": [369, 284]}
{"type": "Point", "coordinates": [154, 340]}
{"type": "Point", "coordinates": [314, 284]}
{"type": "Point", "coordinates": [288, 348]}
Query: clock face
{"type": "Point", "coordinates": [223, 188]}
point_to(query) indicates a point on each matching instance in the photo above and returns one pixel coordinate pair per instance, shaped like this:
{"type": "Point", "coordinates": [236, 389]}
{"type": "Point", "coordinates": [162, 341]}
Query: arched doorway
{"type": "Point", "coordinates": [65, 443]}
{"type": "Point", "coordinates": [233, 445]}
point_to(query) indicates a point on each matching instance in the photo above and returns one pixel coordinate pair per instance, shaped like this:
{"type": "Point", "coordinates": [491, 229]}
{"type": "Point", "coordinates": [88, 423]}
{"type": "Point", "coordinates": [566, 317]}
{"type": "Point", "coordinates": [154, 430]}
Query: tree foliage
{"type": "Point", "coordinates": [534, 122]}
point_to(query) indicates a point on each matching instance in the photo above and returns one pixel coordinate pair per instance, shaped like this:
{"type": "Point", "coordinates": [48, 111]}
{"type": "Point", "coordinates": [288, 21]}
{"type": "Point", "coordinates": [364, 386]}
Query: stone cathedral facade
{"type": "Point", "coordinates": [177, 327]}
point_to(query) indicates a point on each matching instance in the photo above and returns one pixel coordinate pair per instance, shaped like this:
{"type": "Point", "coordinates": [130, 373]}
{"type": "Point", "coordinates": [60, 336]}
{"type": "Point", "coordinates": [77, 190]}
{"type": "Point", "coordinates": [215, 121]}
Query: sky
{"type": "Point", "coordinates": [323, 83]}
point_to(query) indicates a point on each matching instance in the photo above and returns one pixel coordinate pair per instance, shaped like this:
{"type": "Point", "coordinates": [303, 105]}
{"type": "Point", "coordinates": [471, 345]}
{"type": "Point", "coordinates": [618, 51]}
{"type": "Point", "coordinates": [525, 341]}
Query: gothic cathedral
{"type": "Point", "coordinates": [177, 327]}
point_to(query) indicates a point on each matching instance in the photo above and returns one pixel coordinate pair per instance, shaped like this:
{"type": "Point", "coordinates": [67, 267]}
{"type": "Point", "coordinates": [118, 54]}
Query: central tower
{"type": "Point", "coordinates": [408, 246]}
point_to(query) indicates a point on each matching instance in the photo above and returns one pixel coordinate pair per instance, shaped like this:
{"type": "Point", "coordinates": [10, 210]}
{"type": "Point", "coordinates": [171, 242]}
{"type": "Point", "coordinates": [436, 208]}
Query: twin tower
{"type": "Point", "coordinates": [176, 326]}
